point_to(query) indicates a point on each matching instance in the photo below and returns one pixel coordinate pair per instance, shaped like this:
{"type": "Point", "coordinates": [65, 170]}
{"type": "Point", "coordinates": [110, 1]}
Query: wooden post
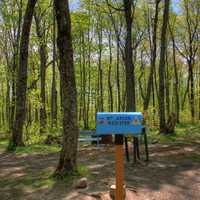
{"type": "Point", "coordinates": [119, 154]}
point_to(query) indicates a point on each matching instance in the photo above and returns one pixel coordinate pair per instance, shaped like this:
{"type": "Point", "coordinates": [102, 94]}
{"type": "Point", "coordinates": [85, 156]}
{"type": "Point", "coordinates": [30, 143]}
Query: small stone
{"type": "Point", "coordinates": [82, 183]}
{"type": "Point", "coordinates": [112, 191]}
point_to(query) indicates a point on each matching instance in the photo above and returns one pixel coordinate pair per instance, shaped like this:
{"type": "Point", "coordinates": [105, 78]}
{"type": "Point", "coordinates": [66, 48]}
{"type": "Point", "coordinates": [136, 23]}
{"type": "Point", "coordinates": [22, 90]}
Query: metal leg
{"type": "Point", "coordinates": [137, 147]}
{"type": "Point", "coordinates": [126, 149]}
{"type": "Point", "coordinates": [98, 141]}
{"type": "Point", "coordinates": [146, 146]}
{"type": "Point", "coordinates": [134, 150]}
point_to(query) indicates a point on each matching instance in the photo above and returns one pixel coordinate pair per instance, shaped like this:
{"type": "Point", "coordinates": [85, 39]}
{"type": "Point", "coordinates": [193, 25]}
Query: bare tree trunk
{"type": "Point", "coordinates": [162, 67]}
{"type": "Point", "coordinates": [43, 61]}
{"type": "Point", "coordinates": [100, 70]}
{"type": "Point", "coordinates": [199, 92]}
{"type": "Point", "coordinates": [167, 84]}
{"type": "Point", "coordinates": [191, 94]}
{"type": "Point", "coordinates": [153, 57]}
{"type": "Point", "coordinates": [176, 86]}
{"type": "Point", "coordinates": [53, 86]}
{"type": "Point", "coordinates": [130, 76]}
{"type": "Point", "coordinates": [118, 79]}
{"type": "Point", "coordinates": [68, 155]}
{"type": "Point", "coordinates": [84, 80]}
{"type": "Point", "coordinates": [110, 94]}
{"type": "Point", "coordinates": [89, 79]}
{"type": "Point", "coordinates": [21, 86]}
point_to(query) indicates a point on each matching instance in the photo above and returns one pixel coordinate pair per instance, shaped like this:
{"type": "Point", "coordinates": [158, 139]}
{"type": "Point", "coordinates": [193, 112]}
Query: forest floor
{"type": "Point", "coordinates": [173, 172]}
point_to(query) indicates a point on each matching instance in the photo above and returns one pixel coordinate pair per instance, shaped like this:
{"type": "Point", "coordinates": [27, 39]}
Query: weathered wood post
{"type": "Point", "coordinates": [119, 167]}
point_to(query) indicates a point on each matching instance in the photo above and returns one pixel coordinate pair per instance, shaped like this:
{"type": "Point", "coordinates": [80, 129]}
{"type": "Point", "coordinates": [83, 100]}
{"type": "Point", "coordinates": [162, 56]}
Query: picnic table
{"type": "Point", "coordinates": [89, 136]}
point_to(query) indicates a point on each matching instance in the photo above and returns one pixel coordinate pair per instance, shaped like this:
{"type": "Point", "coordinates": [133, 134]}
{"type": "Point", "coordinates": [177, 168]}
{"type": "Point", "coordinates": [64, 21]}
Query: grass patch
{"type": "Point", "coordinates": [185, 133]}
{"type": "Point", "coordinates": [81, 171]}
{"type": "Point", "coordinates": [33, 148]}
{"type": "Point", "coordinates": [42, 178]}
{"type": "Point", "coordinates": [31, 180]}
{"type": "Point", "coordinates": [38, 148]}
{"type": "Point", "coordinates": [30, 149]}
{"type": "Point", "coordinates": [3, 142]}
{"type": "Point", "coordinates": [194, 158]}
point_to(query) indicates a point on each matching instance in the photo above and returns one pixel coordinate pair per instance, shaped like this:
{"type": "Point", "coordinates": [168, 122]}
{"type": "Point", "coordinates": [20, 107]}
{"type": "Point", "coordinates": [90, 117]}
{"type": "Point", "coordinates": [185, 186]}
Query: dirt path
{"type": "Point", "coordinates": [172, 174]}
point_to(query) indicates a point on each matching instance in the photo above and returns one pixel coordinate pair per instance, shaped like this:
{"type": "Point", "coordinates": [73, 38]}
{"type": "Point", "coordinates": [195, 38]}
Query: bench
{"type": "Point", "coordinates": [93, 136]}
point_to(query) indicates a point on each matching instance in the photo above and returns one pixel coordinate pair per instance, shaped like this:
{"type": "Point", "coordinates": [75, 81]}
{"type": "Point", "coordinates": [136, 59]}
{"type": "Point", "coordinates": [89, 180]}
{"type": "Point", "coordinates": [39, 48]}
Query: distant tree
{"type": "Point", "coordinates": [53, 86]}
{"type": "Point", "coordinates": [41, 32]}
{"type": "Point", "coordinates": [153, 46]}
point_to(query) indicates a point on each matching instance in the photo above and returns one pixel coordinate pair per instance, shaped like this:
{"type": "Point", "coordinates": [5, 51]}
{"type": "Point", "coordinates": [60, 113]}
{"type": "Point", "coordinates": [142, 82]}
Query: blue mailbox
{"type": "Point", "coordinates": [108, 123]}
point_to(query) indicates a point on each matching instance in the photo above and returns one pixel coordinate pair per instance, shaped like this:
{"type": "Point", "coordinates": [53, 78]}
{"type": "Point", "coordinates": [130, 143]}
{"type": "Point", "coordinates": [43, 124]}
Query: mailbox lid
{"type": "Point", "coordinates": [119, 123]}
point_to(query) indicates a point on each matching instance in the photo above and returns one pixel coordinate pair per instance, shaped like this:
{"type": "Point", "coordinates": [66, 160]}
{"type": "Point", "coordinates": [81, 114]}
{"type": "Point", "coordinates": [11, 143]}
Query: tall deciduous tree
{"type": "Point", "coordinates": [21, 86]}
{"type": "Point", "coordinates": [153, 44]}
{"type": "Point", "coordinates": [163, 48]}
{"type": "Point", "coordinates": [68, 155]}
{"type": "Point", "coordinates": [53, 86]}
{"type": "Point", "coordinates": [40, 29]}
{"type": "Point", "coordinates": [129, 66]}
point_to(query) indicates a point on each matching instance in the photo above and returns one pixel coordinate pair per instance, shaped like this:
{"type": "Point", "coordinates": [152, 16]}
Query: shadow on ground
{"type": "Point", "coordinates": [172, 173]}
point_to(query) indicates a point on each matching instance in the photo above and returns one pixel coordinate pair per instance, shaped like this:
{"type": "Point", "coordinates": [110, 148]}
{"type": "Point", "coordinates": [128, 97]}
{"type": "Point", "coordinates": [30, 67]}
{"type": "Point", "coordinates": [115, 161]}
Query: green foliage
{"type": "Point", "coordinates": [88, 21]}
{"type": "Point", "coordinates": [185, 134]}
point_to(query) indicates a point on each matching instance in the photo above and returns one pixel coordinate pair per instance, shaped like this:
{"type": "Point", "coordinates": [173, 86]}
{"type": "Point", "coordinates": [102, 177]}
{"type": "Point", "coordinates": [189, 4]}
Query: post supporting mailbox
{"type": "Point", "coordinates": [119, 124]}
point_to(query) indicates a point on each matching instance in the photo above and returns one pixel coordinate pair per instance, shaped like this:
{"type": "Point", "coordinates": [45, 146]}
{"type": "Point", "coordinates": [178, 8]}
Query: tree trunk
{"type": "Point", "coordinates": [21, 86]}
{"type": "Point", "coordinates": [118, 78]}
{"type": "Point", "coordinates": [110, 94]}
{"type": "Point", "coordinates": [43, 61]}
{"type": "Point", "coordinates": [153, 57]}
{"type": "Point", "coordinates": [89, 77]}
{"type": "Point", "coordinates": [199, 92]}
{"type": "Point", "coordinates": [176, 86]}
{"type": "Point", "coordinates": [167, 87]}
{"type": "Point", "coordinates": [84, 80]}
{"type": "Point", "coordinates": [53, 86]}
{"type": "Point", "coordinates": [162, 67]}
{"type": "Point", "coordinates": [68, 155]}
{"type": "Point", "coordinates": [129, 66]}
{"type": "Point", "coordinates": [191, 95]}
{"type": "Point", "coordinates": [100, 70]}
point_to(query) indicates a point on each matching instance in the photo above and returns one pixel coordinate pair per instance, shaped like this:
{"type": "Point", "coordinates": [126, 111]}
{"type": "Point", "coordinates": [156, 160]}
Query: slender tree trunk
{"type": "Point", "coordinates": [84, 80]}
{"type": "Point", "coordinates": [68, 155]}
{"type": "Point", "coordinates": [53, 86]}
{"type": "Point", "coordinates": [14, 66]}
{"type": "Point", "coordinates": [176, 86]}
{"type": "Point", "coordinates": [129, 66]}
{"type": "Point", "coordinates": [118, 79]}
{"type": "Point", "coordinates": [43, 62]}
{"type": "Point", "coordinates": [81, 83]}
{"type": "Point", "coordinates": [191, 97]}
{"type": "Point", "coordinates": [8, 120]}
{"type": "Point", "coordinates": [162, 67]}
{"type": "Point", "coordinates": [89, 79]}
{"type": "Point", "coordinates": [110, 94]}
{"type": "Point", "coordinates": [167, 85]}
{"type": "Point", "coordinates": [199, 92]}
{"type": "Point", "coordinates": [21, 86]}
{"type": "Point", "coordinates": [153, 57]}
{"type": "Point", "coordinates": [100, 70]}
